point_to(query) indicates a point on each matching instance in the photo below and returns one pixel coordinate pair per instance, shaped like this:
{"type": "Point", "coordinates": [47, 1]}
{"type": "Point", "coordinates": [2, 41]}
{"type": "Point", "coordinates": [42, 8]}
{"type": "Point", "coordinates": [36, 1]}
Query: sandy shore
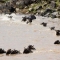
{"type": "Point", "coordinates": [15, 34]}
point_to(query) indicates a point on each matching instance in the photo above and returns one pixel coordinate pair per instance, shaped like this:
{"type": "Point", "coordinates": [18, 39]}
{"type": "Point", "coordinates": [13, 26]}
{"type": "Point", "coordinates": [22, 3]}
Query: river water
{"type": "Point", "coordinates": [15, 34]}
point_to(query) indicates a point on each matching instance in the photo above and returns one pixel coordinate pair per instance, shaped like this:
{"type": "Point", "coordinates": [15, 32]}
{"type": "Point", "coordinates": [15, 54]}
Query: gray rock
{"type": "Point", "coordinates": [53, 16]}
{"type": "Point", "coordinates": [38, 8]}
{"type": "Point", "coordinates": [31, 9]}
{"type": "Point", "coordinates": [58, 8]}
{"type": "Point", "coordinates": [47, 11]}
{"type": "Point", "coordinates": [53, 4]}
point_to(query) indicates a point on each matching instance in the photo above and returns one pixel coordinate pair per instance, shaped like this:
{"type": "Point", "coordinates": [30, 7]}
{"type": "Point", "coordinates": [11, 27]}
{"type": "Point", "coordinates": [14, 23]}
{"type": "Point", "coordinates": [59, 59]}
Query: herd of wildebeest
{"type": "Point", "coordinates": [30, 18]}
{"type": "Point", "coordinates": [30, 48]}
{"type": "Point", "coordinates": [27, 50]}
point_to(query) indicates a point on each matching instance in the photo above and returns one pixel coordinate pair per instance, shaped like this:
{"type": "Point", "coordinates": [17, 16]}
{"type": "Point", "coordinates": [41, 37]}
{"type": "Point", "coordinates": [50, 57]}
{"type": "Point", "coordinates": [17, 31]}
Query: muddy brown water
{"type": "Point", "coordinates": [15, 34]}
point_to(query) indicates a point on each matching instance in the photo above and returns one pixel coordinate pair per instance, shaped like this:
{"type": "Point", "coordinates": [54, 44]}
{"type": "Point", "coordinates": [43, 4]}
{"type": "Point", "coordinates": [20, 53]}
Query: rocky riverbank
{"type": "Point", "coordinates": [37, 7]}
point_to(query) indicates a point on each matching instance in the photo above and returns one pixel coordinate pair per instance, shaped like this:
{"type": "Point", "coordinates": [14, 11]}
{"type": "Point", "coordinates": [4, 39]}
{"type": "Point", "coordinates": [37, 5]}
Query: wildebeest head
{"type": "Point", "coordinates": [31, 47]}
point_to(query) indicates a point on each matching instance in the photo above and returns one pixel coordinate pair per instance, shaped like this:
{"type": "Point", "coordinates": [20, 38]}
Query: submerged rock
{"type": "Point", "coordinates": [53, 4]}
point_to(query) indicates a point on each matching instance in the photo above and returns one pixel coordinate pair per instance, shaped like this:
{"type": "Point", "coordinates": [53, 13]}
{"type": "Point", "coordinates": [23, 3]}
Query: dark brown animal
{"type": "Point", "coordinates": [28, 49]}
{"type": "Point", "coordinates": [58, 32]}
{"type": "Point", "coordinates": [15, 52]}
{"type": "Point", "coordinates": [52, 28]}
{"type": "Point", "coordinates": [57, 42]}
{"type": "Point", "coordinates": [44, 24]}
{"type": "Point", "coordinates": [8, 51]}
{"type": "Point", "coordinates": [2, 51]}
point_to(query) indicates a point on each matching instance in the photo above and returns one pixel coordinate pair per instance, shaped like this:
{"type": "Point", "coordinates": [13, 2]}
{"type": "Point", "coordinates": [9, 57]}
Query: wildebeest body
{"type": "Point", "coordinates": [57, 42]}
{"type": "Point", "coordinates": [2, 51]}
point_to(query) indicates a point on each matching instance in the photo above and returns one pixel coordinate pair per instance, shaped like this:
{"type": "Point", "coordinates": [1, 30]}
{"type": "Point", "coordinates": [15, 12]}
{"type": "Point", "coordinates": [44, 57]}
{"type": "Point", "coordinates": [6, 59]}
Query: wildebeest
{"type": "Point", "coordinates": [10, 17]}
{"type": "Point", "coordinates": [28, 49]}
{"type": "Point", "coordinates": [31, 47]}
{"type": "Point", "coordinates": [46, 11]}
{"type": "Point", "coordinates": [29, 18]}
{"type": "Point", "coordinates": [44, 24]}
{"type": "Point", "coordinates": [29, 21]}
{"type": "Point", "coordinates": [57, 42]}
{"type": "Point", "coordinates": [52, 28]}
{"type": "Point", "coordinates": [2, 51]}
{"type": "Point", "coordinates": [24, 19]}
{"type": "Point", "coordinates": [57, 32]}
{"type": "Point", "coordinates": [9, 51]}
{"type": "Point", "coordinates": [15, 52]}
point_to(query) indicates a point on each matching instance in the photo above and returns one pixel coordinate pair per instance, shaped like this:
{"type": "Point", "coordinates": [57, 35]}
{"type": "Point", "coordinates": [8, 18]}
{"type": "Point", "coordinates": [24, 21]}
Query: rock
{"type": "Point", "coordinates": [58, 16]}
{"type": "Point", "coordinates": [46, 11]}
{"type": "Point", "coordinates": [45, 5]}
{"type": "Point", "coordinates": [53, 16]}
{"type": "Point", "coordinates": [1, 7]}
{"type": "Point", "coordinates": [58, 9]}
{"type": "Point", "coordinates": [31, 9]}
{"type": "Point", "coordinates": [22, 3]}
{"type": "Point", "coordinates": [55, 13]}
{"type": "Point", "coordinates": [38, 13]}
{"type": "Point", "coordinates": [17, 9]}
{"type": "Point", "coordinates": [53, 4]}
{"type": "Point", "coordinates": [47, 15]}
{"type": "Point", "coordinates": [44, 24]}
{"type": "Point", "coordinates": [38, 8]}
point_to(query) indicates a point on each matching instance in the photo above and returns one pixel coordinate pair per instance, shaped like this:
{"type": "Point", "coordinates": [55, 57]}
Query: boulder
{"type": "Point", "coordinates": [38, 8]}
{"type": "Point", "coordinates": [53, 4]}
{"type": "Point", "coordinates": [48, 10]}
